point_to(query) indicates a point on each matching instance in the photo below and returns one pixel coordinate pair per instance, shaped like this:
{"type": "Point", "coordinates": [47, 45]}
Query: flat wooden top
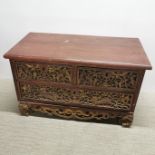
{"type": "Point", "coordinates": [112, 52]}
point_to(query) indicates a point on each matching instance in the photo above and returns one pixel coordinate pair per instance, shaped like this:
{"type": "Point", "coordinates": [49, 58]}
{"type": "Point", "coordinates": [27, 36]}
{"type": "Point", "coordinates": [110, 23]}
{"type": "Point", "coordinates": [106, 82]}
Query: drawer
{"type": "Point", "coordinates": [96, 77]}
{"type": "Point", "coordinates": [52, 72]}
{"type": "Point", "coordinates": [75, 96]}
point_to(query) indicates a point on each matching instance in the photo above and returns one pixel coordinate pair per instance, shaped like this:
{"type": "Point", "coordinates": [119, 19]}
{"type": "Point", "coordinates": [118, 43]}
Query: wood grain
{"type": "Point", "coordinates": [110, 52]}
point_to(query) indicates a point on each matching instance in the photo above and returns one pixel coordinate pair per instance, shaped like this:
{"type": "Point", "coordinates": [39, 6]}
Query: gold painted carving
{"type": "Point", "coordinates": [96, 98]}
{"type": "Point", "coordinates": [54, 73]}
{"type": "Point", "coordinates": [127, 119]}
{"type": "Point", "coordinates": [76, 113]}
{"type": "Point", "coordinates": [108, 78]}
{"type": "Point", "coordinates": [68, 113]}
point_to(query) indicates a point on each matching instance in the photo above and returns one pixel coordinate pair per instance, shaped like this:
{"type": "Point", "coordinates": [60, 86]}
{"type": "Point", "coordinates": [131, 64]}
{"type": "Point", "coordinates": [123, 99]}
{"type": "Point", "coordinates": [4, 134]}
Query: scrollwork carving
{"type": "Point", "coordinates": [127, 119]}
{"type": "Point", "coordinates": [54, 73]}
{"type": "Point", "coordinates": [107, 78]}
{"type": "Point", "coordinates": [69, 113]}
{"type": "Point", "coordinates": [96, 98]}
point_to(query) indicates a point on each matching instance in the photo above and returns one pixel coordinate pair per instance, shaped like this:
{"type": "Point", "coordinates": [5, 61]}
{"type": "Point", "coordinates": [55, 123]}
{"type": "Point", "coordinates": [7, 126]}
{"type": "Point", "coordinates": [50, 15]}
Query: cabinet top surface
{"type": "Point", "coordinates": [79, 49]}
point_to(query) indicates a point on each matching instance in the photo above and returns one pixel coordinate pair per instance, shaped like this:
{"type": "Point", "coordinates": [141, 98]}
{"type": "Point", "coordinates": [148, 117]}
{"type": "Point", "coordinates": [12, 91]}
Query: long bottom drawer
{"type": "Point", "coordinates": [76, 97]}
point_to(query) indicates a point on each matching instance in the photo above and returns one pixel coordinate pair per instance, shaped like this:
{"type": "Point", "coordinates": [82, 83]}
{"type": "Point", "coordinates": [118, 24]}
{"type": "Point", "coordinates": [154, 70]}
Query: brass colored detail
{"type": "Point", "coordinates": [96, 98]}
{"type": "Point", "coordinates": [108, 78]}
{"type": "Point", "coordinates": [54, 73]}
{"type": "Point", "coordinates": [127, 120]}
{"type": "Point", "coordinates": [70, 113]}
{"type": "Point", "coordinates": [24, 109]}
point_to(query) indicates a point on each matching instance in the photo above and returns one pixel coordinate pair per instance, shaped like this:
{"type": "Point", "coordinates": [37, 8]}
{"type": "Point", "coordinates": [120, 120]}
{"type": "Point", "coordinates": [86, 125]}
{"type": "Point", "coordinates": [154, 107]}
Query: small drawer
{"type": "Point", "coordinates": [107, 78]}
{"type": "Point", "coordinates": [76, 96]}
{"type": "Point", "coordinates": [51, 72]}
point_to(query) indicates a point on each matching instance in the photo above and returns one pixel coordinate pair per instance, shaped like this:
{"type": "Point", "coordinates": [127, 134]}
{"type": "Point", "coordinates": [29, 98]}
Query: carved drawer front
{"type": "Point", "coordinates": [96, 77]}
{"type": "Point", "coordinates": [52, 72]}
{"type": "Point", "coordinates": [83, 97]}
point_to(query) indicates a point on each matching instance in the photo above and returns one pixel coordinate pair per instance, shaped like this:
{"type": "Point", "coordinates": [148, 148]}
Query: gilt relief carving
{"type": "Point", "coordinates": [114, 100]}
{"type": "Point", "coordinates": [107, 78]}
{"type": "Point", "coordinates": [54, 73]}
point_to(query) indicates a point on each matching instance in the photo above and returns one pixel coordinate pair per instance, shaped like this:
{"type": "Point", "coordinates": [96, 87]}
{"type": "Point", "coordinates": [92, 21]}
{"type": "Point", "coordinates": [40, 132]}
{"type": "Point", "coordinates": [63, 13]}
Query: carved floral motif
{"type": "Point", "coordinates": [107, 78]}
{"type": "Point", "coordinates": [67, 113]}
{"type": "Point", "coordinates": [114, 100]}
{"type": "Point", "coordinates": [54, 73]}
{"type": "Point", "coordinates": [76, 113]}
{"type": "Point", "coordinates": [88, 98]}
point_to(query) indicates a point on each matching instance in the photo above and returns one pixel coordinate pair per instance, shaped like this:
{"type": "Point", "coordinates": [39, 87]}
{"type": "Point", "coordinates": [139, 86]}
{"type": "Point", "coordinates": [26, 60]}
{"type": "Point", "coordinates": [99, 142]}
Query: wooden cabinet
{"type": "Point", "coordinates": [85, 77]}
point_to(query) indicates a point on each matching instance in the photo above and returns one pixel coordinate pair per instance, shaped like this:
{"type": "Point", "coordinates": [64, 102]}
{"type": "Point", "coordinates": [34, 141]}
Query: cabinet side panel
{"type": "Point", "coordinates": [138, 90]}
{"type": "Point", "coordinates": [13, 68]}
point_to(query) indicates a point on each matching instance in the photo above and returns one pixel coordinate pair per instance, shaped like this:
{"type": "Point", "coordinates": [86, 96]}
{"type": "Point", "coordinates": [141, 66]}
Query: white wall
{"type": "Point", "coordinates": [127, 18]}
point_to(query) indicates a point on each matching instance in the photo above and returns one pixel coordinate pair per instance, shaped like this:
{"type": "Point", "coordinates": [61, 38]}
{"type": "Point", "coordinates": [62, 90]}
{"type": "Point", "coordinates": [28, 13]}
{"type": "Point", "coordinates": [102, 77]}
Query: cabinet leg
{"type": "Point", "coordinates": [126, 120]}
{"type": "Point", "coordinates": [24, 109]}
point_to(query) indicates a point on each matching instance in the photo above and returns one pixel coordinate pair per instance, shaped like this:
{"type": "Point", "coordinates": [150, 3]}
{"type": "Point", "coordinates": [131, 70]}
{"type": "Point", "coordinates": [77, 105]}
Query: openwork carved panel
{"type": "Point", "coordinates": [107, 78]}
{"type": "Point", "coordinates": [113, 100]}
{"type": "Point", "coordinates": [66, 112]}
{"type": "Point", "coordinates": [54, 73]}
{"type": "Point", "coordinates": [75, 113]}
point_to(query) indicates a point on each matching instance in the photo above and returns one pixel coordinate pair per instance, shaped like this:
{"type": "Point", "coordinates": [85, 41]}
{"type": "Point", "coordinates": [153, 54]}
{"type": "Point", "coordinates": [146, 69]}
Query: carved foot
{"type": "Point", "coordinates": [126, 120]}
{"type": "Point", "coordinates": [24, 109]}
